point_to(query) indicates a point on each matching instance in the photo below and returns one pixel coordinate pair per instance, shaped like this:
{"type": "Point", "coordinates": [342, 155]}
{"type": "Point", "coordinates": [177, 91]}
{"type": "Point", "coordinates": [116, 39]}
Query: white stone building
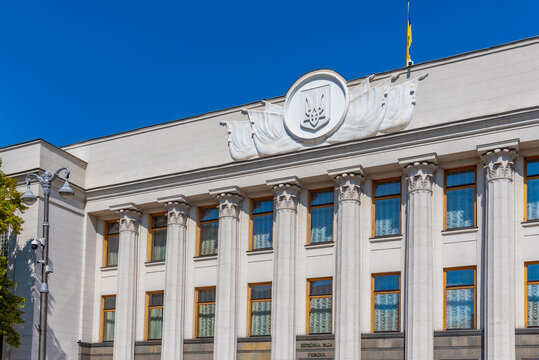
{"type": "Point", "coordinates": [390, 217]}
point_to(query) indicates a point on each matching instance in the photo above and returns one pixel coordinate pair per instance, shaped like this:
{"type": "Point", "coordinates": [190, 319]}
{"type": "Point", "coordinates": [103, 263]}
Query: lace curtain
{"type": "Point", "coordinates": [112, 250]}
{"type": "Point", "coordinates": [159, 245]}
{"type": "Point", "coordinates": [322, 224]}
{"type": "Point", "coordinates": [208, 238]}
{"type": "Point", "coordinates": [320, 316]}
{"type": "Point", "coordinates": [155, 324]}
{"type": "Point", "coordinates": [386, 312]}
{"type": "Point", "coordinates": [108, 326]}
{"type": "Point", "coordinates": [387, 217]}
{"type": "Point", "coordinates": [533, 305]}
{"type": "Point", "coordinates": [460, 208]}
{"type": "Point", "coordinates": [262, 232]}
{"type": "Point", "coordinates": [206, 320]}
{"type": "Point", "coordinates": [261, 318]}
{"type": "Point", "coordinates": [533, 199]}
{"type": "Point", "coordinates": [460, 309]}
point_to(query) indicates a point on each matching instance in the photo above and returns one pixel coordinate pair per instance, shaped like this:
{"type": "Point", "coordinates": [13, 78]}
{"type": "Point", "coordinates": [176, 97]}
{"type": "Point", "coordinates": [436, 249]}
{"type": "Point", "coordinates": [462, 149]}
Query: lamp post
{"type": "Point", "coordinates": [45, 180]}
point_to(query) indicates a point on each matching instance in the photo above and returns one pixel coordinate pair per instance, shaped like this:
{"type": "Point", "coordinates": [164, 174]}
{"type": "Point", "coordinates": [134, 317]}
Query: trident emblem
{"type": "Point", "coordinates": [316, 111]}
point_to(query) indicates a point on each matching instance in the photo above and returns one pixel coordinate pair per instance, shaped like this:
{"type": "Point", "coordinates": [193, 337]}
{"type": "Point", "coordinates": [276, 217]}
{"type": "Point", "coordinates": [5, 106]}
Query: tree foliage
{"type": "Point", "coordinates": [11, 305]}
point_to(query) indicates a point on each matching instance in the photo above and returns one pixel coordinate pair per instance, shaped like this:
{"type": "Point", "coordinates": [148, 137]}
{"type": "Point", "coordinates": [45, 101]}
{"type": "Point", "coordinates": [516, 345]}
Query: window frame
{"type": "Point", "coordinates": [106, 241]}
{"type": "Point", "coordinates": [197, 289]}
{"type": "Point", "coordinates": [150, 234]}
{"type": "Point", "coordinates": [526, 283]}
{"type": "Point", "coordinates": [199, 222]}
{"type": "Point", "coordinates": [249, 310]}
{"type": "Point", "coordinates": [251, 235]}
{"type": "Point", "coordinates": [374, 198]}
{"type": "Point", "coordinates": [526, 178]}
{"type": "Point", "coordinates": [309, 296]}
{"type": "Point", "coordinates": [310, 207]}
{"type": "Point", "coordinates": [373, 293]}
{"type": "Point", "coordinates": [459, 187]}
{"type": "Point", "coordinates": [148, 308]}
{"type": "Point", "coordinates": [103, 316]}
{"type": "Point", "coordinates": [474, 267]}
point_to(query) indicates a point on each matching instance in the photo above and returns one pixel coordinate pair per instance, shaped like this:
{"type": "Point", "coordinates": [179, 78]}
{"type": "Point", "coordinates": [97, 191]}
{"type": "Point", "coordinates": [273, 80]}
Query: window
{"type": "Point", "coordinates": [460, 194]}
{"type": "Point", "coordinates": [107, 318]}
{"type": "Point", "coordinates": [319, 306]}
{"type": "Point", "coordinates": [321, 216]}
{"type": "Point", "coordinates": [208, 229]}
{"type": "Point", "coordinates": [459, 295]}
{"type": "Point", "coordinates": [157, 243]}
{"type": "Point", "coordinates": [260, 309]}
{"type": "Point", "coordinates": [532, 294]}
{"type": "Point", "coordinates": [154, 315]}
{"type": "Point", "coordinates": [387, 207]}
{"type": "Point", "coordinates": [386, 295]}
{"type": "Point", "coordinates": [4, 244]}
{"type": "Point", "coordinates": [205, 312]}
{"type": "Point", "coordinates": [531, 190]}
{"type": "Point", "coordinates": [262, 224]}
{"type": "Point", "coordinates": [112, 233]}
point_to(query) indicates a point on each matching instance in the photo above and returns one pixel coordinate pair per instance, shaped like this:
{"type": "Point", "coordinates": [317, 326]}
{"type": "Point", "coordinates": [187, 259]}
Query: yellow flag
{"type": "Point", "coordinates": [409, 38]}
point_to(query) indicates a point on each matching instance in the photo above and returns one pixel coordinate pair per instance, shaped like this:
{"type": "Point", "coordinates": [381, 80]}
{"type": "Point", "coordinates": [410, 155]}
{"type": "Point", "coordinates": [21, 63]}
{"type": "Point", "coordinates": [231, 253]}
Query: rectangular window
{"type": "Point", "coordinates": [460, 195]}
{"type": "Point", "coordinates": [386, 295]}
{"type": "Point", "coordinates": [532, 294]}
{"type": "Point", "coordinates": [321, 216]}
{"type": "Point", "coordinates": [262, 224]}
{"type": "Point", "coordinates": [387, 207]}
{"type": "Point", "coordinates": [157, 243]}
{"type": "Point", "coordinates": [459, 294]}
{"type": "Point", "coordinates": [259, 309]}
{"type": "Point", "coordinates": [108, 305]}
{"type": "Point", "coordinates": [208, 230]}
{"type": "Point", "coordinates": [154, 313]}
{"type": "Point", "coordinates": [531, 190]}
{"type": "Point", "coordinates": [205, 312]}
{"type": "Point", "coordinates": [319, 306]}
{"type": "Point", "coordinates": [112, 234]}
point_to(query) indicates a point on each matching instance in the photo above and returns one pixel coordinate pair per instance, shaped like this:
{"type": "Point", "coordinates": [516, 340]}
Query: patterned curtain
{"type": "Point", "coordinates": [533, 305]}
{"type": "Point", "coordinates": [261, 318]}
{"type": "Point", "coordinates": [322, 224]}
{"type": "Point", "coordinates": [386, 312]}
{"type": "Point", "coordinates": [460, 208]}
{"type": "Point", "coordinates": [108, 326]}
{"type": "Point", "coordinates": [533, 199]}
{"type": "Point", "coordinates": [262, 232]}
{"type": "Point", "coordinates": [387, 215]}
{"type": "Point", "coordinates": [112, 251]}
{"type": "Point", "coordinates": [159, 245]}
{"type": "Point", "coordinates": [206, 320]}
{"type": "Point", "coordinates": [155, 324]}
{"type": "Point", "coordinates": [208, 238]}
{"type": "Point", "coordinates": [320, 316]}
{"type": "Point", "coordinates": [460, 309]}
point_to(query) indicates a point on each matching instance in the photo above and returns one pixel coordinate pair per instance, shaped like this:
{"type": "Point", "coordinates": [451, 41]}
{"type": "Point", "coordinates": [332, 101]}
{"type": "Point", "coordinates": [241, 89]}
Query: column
{"type": "Point", "coordinates": [348, 264]}
{"type": "Point", "coordinates": [124, 324]}
{"type": "Point", "coordinates": [419, 330]}
{"type": "Point", "coordinates": [283, 314]}
{"type": "Point", "coordinates": [500, 255]}
{"type": "Point", "coordinates": [173, 316]}
{"type": "Point", "coordinates": [224, 347]}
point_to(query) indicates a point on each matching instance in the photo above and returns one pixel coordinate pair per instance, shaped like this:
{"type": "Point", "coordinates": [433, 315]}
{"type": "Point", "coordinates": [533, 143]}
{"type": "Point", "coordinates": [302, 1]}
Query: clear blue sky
{"type": "Point", "coordinates": [75, 70]}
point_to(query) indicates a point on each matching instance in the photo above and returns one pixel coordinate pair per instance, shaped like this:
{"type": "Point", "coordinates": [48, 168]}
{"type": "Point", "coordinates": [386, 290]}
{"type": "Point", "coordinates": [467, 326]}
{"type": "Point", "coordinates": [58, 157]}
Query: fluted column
{"type": "Point", "coordinates": [124, 324]}
{"type": "Point", "coordinates": [347, 271]}
{"type": "Point", "coordinates": [500, 249]}
{"type": "Point", "coordinates": [172, 343]}
{"type": "Point", "coordinates": [419, 331]}
{"type": "Point", "coordinates": [226, 302]}
{"type": "Point", "coordinates": [283, 314]}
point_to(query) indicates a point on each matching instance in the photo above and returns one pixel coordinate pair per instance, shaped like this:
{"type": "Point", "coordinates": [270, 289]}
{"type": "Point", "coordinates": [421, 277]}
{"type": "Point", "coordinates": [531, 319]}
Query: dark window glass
{"type": "Point", "coordinates": [159, 221]}
{"type": "Point", "coordinates": [321, 287]}
{"type": "Point", "coordinates": [262, 206]}
{"type": "Point", "coordinates": [388, 188]}
{"type": "Point", "coordinates": [206, 295]}
{"type": "Point", "coordinates": [460, 277]}
{"type": "Point", "coordinates": [113, 228]}
{"type": "Point", "coordinates": [261, 292]}
{"type": "Point", "coordinates": [323, 197]}
{"type": "Point", "coordinates": [387, 282]}
{"type": "Point", "coordinates": [156, 299]}
{"type": "Point", "coordinates": [533, 272]}
{"type": "Point", "coordinates": [209, 214]}
{"type": "Point", "coordinates": [110, 302]}
{"type": "Point", "coordinates": [532, 167]}
{"type": "Point", "coordinates": [460, 177]}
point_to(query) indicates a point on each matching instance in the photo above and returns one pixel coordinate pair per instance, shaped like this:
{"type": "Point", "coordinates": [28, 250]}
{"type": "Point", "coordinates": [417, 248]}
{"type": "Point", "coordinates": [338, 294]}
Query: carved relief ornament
{"type": "Point", "coordinates": [229, 205]}
{"type": "Point", "coordinates": [499, 163]}
{"type": "Point", "coordinates": [420, 175]}
{"type": "Point", "coordinates": [129, 220]}
{"type": "Point", "coordinates": [177, 213]}
{"type": "Point", "coordinates": [348, 186]}
{"type": "Point", "coordinates": [286, 196]}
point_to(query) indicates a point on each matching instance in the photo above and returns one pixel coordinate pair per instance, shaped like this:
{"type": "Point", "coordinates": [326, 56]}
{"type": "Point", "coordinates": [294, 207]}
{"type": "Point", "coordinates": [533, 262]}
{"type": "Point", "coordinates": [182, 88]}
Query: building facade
{"type": "Point", "coordinates": [390, 217]}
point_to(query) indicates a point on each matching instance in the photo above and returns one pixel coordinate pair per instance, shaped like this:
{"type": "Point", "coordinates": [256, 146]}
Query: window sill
{"type": "Point", "coordinates": [154, 263]}
{"type": "Point", "coordinates": [205, 257]}
{"type": "Point", "coordinates": [466, 230]}
{"type": "Point", "coordinates": [458, 332]}
{"type": "Point", "coordinates": [530, 223]}
{"type": "Point", "coordinates": [320, 245]}
{"type": "Point", "coordinates": [383, 335]}
{"type": "Point", "coordinates": [376, 239]}
{"type": "Point", "coordinates": [207, 340]}
{"type": "Point", "coordinates": [259, 252]}
{"type": "Point", "coordinates": [108, 268]}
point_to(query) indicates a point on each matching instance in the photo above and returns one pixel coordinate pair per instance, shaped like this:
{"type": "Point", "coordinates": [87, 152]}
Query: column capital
{"type": "Point", "coordinates": [229, 199]}
{"type": "Point", "coordinates": [420, 175]}
{"type": "Point", "coordinates": [129, 220]}
{"type": "Point", "coordinates": [348, 186]}
{"type": "Point", "coordinates": [499, 163]}
{"type": "Point", "coordinates": [286, 192]}
{"type": "Point", "coordinates": [178, 209]}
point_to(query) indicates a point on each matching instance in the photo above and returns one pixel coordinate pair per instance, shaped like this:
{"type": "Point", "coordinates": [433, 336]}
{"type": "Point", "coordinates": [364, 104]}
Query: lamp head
{"type": "Point", "coordinates": [66, 191]}
{"type": "Point", "coordinates": [28, 197]}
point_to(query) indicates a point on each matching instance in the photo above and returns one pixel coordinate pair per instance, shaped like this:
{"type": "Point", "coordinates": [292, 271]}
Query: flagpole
{"type": "Point", "coordinates": [409, 61]}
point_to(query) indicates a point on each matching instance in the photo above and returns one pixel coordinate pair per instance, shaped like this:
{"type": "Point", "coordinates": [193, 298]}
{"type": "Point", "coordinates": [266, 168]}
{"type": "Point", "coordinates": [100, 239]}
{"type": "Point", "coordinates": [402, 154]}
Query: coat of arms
{"type": "Point", "coordinates": [316, 107]}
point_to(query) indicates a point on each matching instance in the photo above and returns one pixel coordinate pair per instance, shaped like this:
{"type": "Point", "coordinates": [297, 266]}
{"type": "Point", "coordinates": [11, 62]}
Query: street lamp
{"type": "Point", "coordinates": [45, 180]}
